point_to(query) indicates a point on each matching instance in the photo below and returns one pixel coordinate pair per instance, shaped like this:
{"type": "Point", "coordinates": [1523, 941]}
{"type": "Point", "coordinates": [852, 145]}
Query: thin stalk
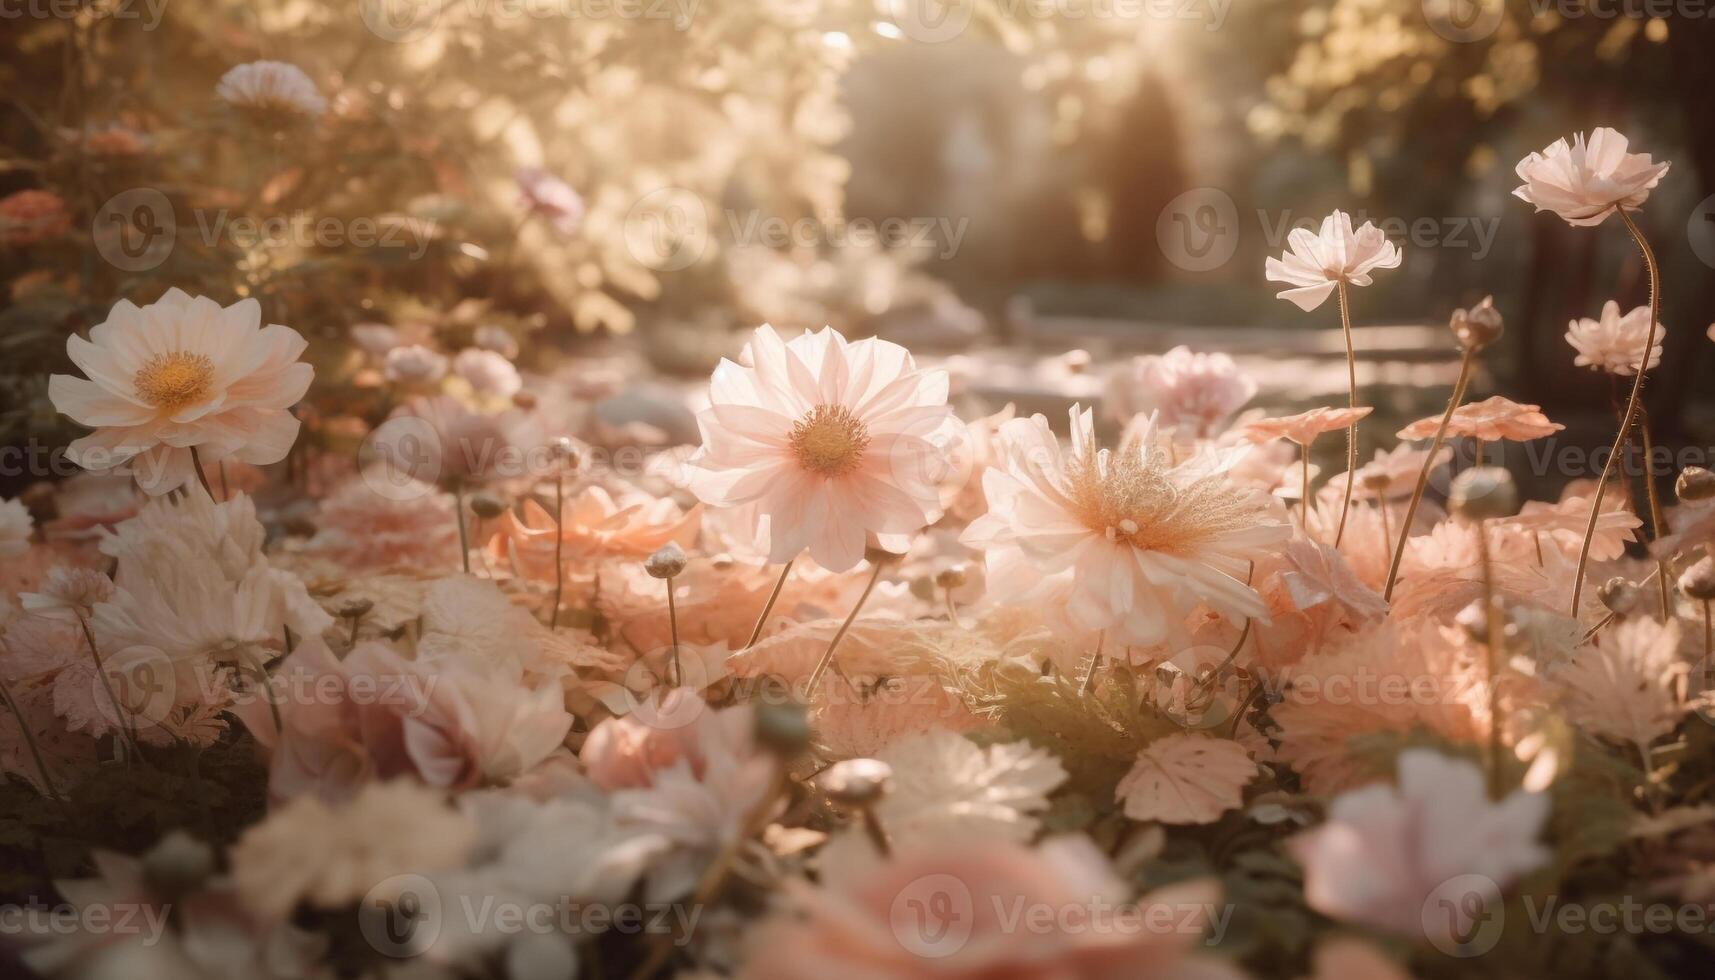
{"type": "Point", "coordinates": [768, 607]}
{"type": "Point", "coordinates": [1657, 524]}
{"type": "Point", "coordinates": [225, 491]}
{"type": "Point", "coordinates": [559, 546]}
{"type": "Point", "coordinates": [828, 654]}
{"type": "Point", "coordinates": [1089, 681]}
{"type": "Point", "coordinates": [1631, 406]}
{"type": "Point", "coordinates": [202, 478]}
{"type": "Point", "coordinates": [127, 726]}
{"type": "Point", "coordinates": [1492, 619]}
{"type": "Point", "coordinates": [458, 515]}
{"type": "Point", "coordinates": [1465, 365]}
{"type": "Point", "coordinates": [1304, 488]}
{"type": "Point", "coordinates": [30, 740]}
{"type": "Point", "coordinates": [1351, 402]}
{"type": "Point", "coordinates": [673, 625]}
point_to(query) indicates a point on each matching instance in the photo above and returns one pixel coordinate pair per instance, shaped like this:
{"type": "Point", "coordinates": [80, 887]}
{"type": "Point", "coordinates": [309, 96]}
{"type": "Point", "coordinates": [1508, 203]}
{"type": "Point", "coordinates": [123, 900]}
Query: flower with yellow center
{"type": "Point", "coordinates": [178, 375]}
{"type": "Point", "coordinates": [1129, 540]}
{"type": "Point", "coordinates": [827, 443]}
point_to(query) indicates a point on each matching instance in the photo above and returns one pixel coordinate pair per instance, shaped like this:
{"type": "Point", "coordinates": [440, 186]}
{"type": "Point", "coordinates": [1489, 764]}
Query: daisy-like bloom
{"type": "Point", "coordinates": [489, 374]}
{"type": "Point", "coordinates": [542, 193]}
{"type": "Point", "coordinates": [16, 527]}
{"type": "Point", "coordinates": [1314, 263]}
{"type": "Point", "coordinates": [592, 526]}
{"type": "Point", "coordinates": [375, 339]}
{"type": "Point", "coordinates": [68, 593]}
{"type": "Point", "coordinates": [28, 217]}
{"type": "Point", "coordinates": [869, 926]}
{"type": "Point", "coordinates": [830, 442]}
{"type": "Point", "coordinates": [1304, 427]}
{"type": "Point", "coordinates": [178, 375]}
{"type": "Point", "coordinates": [1197, 392]}
{"type": "Point", "coordinates": [1144, 539]}
{"type": "Point", "coordinates": [388, 829]}
{"type": "Point", "coordinates": [1490, 420]}
{"type": "Point", "coordinates": [1388, 853]}
{"type": "Point", "coordinates": [414, 364]}
{"type": "Point", "coordinates": [273, 87]}
{"type": "Point", "coordinates": [1632, 687]}
{"type": "Point", "coordinates": [1615, 343]}
{"type": "Point", "coordinates": [1584, 182]}
{"type": "Point", "coordinates": [1564, 524]}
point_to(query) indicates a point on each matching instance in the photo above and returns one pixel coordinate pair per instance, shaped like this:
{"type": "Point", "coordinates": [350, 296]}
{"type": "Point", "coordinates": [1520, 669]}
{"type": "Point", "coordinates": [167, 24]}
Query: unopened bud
{"type": "Point", "coordinates": [1077, 361]}
{"type": "Point", "coordinates": [1479, 326]}
{"type": "Point", "coordinates": [1695, 483]}
{"type": "Point", "coordinates": [524, 400]}
{"type": "Point", "coordinates": [1619, 595]}
{"type": "Point", "coordinates": [565, 450]}
{"type": "Point", "coordinates": [783, 727]}
{"type": "Point", "coordinates": [857, 782]}
{"type": "Point", "coordinates": [356, 608]}
{"type": "Point", "coordinates": [177, 865]}
{"type": "Point", "coordinates": [951, 577]}
{"type": "Point", "coordinates": [1483, 493]}
{"type": "Point", "coordinates": [1698, 581]}
{"type": "Point", "coordinates": [487, 506]}
{"type": "Point", "coordinates": [666, 562]}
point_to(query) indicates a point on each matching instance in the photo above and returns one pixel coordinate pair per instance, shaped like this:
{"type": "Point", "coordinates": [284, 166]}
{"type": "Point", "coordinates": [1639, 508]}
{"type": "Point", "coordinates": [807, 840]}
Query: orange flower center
{"type": "Point", "coordinates": [172, 381]}
{"type": "Point", "coordinates": [829, 441]}
{"type": "Point", "coordinates": [1128, 496]}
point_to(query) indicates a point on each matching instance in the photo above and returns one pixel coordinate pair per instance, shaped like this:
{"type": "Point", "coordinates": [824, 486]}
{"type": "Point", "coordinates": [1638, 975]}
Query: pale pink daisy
{"type": "Point", "coordinates": [1585, 182]}
{"type": "Point", "coordinates": [178, 376]}
{"type": "Point", "coordinates": [271, 86]}
{"type": "Point", "coordinates": [1615, 343]}
{"type": "Point", "coordinates": [1143, 539]}
{"type": "Point", "coordinates": [829, 441]}
{"type": "Point", "coordinates": [1314, 263]}
{"type": "Point", "coordinates": [1194, 391]}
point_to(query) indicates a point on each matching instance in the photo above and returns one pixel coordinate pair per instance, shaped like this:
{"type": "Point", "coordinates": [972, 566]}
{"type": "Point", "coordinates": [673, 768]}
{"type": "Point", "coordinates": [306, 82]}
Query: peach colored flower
{"type": "Point", "coordinates": [88, 504]}
{"type": "Point", "coordinates": [1318, 576]}
{"type": "Point", "coordinates": [1563, 524]}
{"type": "Point", "coordinates": [1631, 687]}
{"type": "Point", "coordinates": [1392, 474]}
{"type": "Point", "coordinates": [1143, 539]}
{"type": "Point", "coordinates": [489, 374]}
{"type": "Point", "coordinates": [1314, 263]}
{"type": "Point", "coordinates": [1194, 391]}
{"type": "Point", "coordinates": [1491, 419]}
{"type": "Point", "coordinates": [1304, 427]}
{"type": "Point", "coordinates": [592, 526]}
{"type": "Point", "coordinates": [1584, 182]}
{"type": "Point", "coordinates": [271, 86]}
{"type": "Point", "coordinates": [830, 442]}
{"type": "Point", "coordinates": [410, 525]}
{"type": "Point", "coordinates": [32, 216]}
{"type": "Point", "coordinates": [542, 193]}
{"type": "Point", "coordinates": [1387, 853]}
{"type": "Point", "coordinates": [181, 374]}
{"type": "Point", "coordinates": [1615, 343]}
{"type": "Point", "coordinates": [856, 928]}
{"type": "Point", "coordinates": [627, 751]}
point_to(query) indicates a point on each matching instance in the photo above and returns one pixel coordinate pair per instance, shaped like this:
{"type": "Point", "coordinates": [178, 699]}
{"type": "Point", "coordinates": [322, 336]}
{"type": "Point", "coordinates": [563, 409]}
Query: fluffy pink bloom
{"type": "Point", "coordinates": [1387, 852]}
{"type": "Point", "coordinates": [626, 752]}
{"type": "Point", "coordinates": [1197, 392]}
{"type": "Point", "coordinates": [1304, 427]}
{"type": "Point", "coordinates": [411, 525]}
{"type": "Point", "coordinates": [271, 86]}
{"type": "Point", "coordinates": [941, 914]}
{"type": "Point", "coordinates": [489, 374]}
{"type": "Point", "coordinates": [1490, 419]}
{"type": "Point", "coordinates": [592, 526]}
{"type": "Point", "coordinates": [1584, 182]}
{"type": "Point", "coordinates": [1143, 539]}
{"type": "Point", "coordinates": [1314, 264]}
{"type": "Point", "coordinates": [180, 374]}
{"type": "Point", "coordinates": [830, 442]}
{"type": "Point", "coordinates": [1615, 343]}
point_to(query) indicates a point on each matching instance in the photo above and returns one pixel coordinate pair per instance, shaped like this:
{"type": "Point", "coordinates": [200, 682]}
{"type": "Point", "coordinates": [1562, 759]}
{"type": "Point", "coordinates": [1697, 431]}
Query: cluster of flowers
{"type": "Point", "coordinates": [862, 685]}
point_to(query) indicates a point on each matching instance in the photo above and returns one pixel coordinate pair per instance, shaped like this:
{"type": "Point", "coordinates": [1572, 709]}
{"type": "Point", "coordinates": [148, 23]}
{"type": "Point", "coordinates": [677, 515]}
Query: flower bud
{"type": "Point", "coordinates": [177, 865]}
{"type": "Point", "coordinates": [951, 577]}
{"type": "Point", "coordinates": [857, 782]}
{"type": "Point", "coordinates": [565, 450]}
{"type": "Point", "coordinates": [1477, 327]}
{"type": "Point", "coordinates": [783, 727]}
{"type": "Point", "coordinates": [524, 400]}
{"type": "Point", "coordinates": [487, 506]}
{"type": "Point", "coordinates": [1483, 493]}
{"type": "Point", "coordinates": [1077, 361]}
{"type": "Point", "coordinates": [666, 562]}
{"type": "Point", "coordinates": [356, 608]}
{"type": "Point", "coordinates": [877, 555]}
{"type": "Point", "coordinates": [1619, 595]}
{"type": "Point", "coordinates": [1698, 581]}
{"type": "Point", "coordinates": [1695, 483]}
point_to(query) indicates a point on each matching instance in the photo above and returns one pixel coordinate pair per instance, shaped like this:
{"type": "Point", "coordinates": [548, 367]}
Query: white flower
{"type": "Point", "coordinates": [178, 375]}
{"type": "Point", "coordinates": [375, 338]}
{"type": "Point", "coordinates": [414, 364]}
{"type": "Point", "coordinates": [16, 526]}
{"type": "Point", "coordinates": [1615, 343]}
{"type": "Point", "coordinates": [1315, 263]}
{"type": "Point", "coordinates": [488, 373]}
{"type": "Point", "coordinates": [1584, 182]}
{"type": "Point", "coordinates": [1197, 391]}
{"type": "Point", "coordinates": [271, 86]}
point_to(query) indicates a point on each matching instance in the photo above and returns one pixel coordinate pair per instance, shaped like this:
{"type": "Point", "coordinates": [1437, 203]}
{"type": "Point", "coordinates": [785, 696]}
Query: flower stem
{"type": "Point", "coordinates": [1657, 524]}
{"type": "Point", "coordinates": [30, 740]}
{"type": "Point", "coordinates": [127, 726]}
{"type": "Point", "coordinates": [458, 516]}
{"type": "Point", "coordinates": [768, 607]}
{"type": "Point", "coordinates": [1496, 639]}
{"type": "Point", "coordinates": [1351, 402]}
{"type": "Point", "coordinates": [828, 654]}
{"type": "Point", "coordinates": [1631, 406]}
{"type": "Point", "coordinates": [1304, 488]}
{"type": "Point", "coordinates": [1089, 681]}
{"type": "Point", "coordinates": [1464, 379]}
{"type": "Point", "coordinates": [559, 547]}
{"type": "Point", "coordinates": [673, 625]}
{"type": "Point", "coordinates": [202, 478]}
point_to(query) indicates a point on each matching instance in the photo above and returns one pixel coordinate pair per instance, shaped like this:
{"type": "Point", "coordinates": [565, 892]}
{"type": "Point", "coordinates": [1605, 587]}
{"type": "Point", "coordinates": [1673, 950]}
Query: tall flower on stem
{"type": "Point", "coordinates": [1584, 182]}
{"type": "Point", "coordinates": [1315, 265]}
{"type": "Point", "coordinates": [1301, 430]}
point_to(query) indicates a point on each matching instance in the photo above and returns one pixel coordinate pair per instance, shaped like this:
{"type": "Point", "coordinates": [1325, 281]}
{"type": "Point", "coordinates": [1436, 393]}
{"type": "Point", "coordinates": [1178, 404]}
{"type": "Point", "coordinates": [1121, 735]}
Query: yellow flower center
{"type": "Point", "coordinates": [173, 381]}
{"type": "Point", "coordinates": [1129, 496]}
{"type": "Point", "coordinates": [829, 441]}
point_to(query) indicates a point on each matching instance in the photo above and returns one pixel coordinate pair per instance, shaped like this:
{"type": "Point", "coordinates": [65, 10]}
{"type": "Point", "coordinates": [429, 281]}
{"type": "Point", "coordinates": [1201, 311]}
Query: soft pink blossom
{"type": "Point", "coordinates": [1585, 182]}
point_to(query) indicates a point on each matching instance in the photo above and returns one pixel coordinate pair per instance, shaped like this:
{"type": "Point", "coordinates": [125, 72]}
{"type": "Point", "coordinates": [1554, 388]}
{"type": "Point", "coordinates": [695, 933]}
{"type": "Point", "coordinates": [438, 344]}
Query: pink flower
{"type": "Point", "coordinates": [592, 526]}
{"type": "Point", "coordinates": [1615, 343]}
{"type": "Point", "coordinates": [1198, 392]}
{"type": "Point", "coordinates": [1314, 264]}
{"type": "Point", "coordinates": [1387, 853]}
{"type": "Point", "coordinates": [1142, 538]}
{"type": "Point", "coordinates": [181, 374]}
{"type": "Point", "coordinates": [1584, 182]}
{"type": "Point", "coordinates": [411, 525]}
{"type": "Point", "coordinates": [1491, 419]}
{"type": "Point", "coordinates": [28, 217]}
{"type": "Point", "coordinates": [626, 752]}
{"type": "Point", "coordinates": [414, 364]}
{"type": "Point", "coordinates": [271, 86]}
{"type": "Point", "coordinates": [542, 193]}
{"type": "Point", "coordinates": [942, 914]}
{"type": "Point", "coordinates": [829, 441]}
{"type": "Point", "coordinates": [489, 374]}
